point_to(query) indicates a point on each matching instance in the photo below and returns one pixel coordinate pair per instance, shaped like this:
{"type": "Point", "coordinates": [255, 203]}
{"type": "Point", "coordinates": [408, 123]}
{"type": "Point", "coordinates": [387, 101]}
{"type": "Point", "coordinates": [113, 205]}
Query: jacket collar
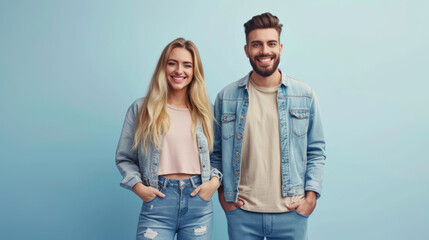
{"type": "Point", "coordinates": [245, 80]}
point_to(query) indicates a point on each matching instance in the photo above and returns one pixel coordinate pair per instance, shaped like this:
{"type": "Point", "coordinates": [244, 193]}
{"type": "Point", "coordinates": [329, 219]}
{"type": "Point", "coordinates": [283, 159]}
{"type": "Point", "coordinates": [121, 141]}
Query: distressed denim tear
{"type": "Point", "coordinates": [150, 234]}
{"type": "Point", "coordinates": [201, 230]}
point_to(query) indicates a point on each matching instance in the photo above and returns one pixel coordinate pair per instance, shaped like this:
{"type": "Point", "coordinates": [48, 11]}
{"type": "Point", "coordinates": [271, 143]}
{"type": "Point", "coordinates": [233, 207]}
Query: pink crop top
{"type": "Point", "coordinates": [179, 152]}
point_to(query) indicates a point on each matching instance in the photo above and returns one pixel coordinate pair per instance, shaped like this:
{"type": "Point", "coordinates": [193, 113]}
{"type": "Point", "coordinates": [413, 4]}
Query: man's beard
{"type": "Point", "coordinates": [265, 72]}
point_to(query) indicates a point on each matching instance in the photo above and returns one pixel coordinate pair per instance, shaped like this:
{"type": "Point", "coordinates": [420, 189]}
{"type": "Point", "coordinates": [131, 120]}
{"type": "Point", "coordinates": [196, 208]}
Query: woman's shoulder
{"type": "Point", "coordinates": [135, 106]}
{"type": "Point", "coordinates": [138, 102]}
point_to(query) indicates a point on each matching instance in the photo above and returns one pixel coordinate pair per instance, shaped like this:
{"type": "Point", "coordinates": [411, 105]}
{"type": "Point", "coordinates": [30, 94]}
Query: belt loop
{"type": "Point", "coordinates": [193, 183]}
{"type": "Point", "coordinates": [165, 183]}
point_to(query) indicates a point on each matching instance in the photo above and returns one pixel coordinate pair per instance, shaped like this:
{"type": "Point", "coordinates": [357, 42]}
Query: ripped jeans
{"type": "Point", "coordinates": [178, 212]}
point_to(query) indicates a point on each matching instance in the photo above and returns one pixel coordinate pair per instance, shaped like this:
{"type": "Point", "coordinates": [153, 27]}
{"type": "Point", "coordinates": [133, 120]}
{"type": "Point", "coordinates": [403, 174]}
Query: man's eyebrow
{"type": "Point", "coordinates": [270, 41]}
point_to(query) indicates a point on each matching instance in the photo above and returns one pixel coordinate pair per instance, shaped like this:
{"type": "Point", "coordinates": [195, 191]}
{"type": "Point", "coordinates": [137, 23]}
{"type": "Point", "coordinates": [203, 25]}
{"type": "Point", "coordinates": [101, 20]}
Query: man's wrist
{"type": "Point", "coordinates": [311, 196]}
{"type": "Point", "coordinates": [220, 194]}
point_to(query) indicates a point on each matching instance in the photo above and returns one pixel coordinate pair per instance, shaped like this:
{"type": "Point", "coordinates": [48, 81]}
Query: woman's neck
{"type": "Point", "coordinates": [178, 99]}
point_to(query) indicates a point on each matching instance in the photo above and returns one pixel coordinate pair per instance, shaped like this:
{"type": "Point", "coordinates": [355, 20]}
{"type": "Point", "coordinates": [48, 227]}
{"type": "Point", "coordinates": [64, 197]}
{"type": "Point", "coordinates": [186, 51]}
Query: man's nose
{"type": "Point", "coordinates": [264, 49]}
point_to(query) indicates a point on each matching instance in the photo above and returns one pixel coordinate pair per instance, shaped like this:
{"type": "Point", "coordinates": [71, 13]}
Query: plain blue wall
{"type": "Point", "coordinates": [70, 69]}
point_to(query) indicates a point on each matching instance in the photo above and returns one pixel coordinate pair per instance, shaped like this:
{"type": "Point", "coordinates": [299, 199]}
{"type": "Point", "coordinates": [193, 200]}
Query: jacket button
{"type": "Point", "coordinates": [236, 173]}
{"type": "Point", "coordinates": [204, 166]}
{"type": "Point", "coordinates": [300, 115]}
{"type": "Point", "coordinates": [242, 117]}
{"type": "Point", "coordinates": [239, 137]}
{"type": "Point", "coordinates": [237, 154]}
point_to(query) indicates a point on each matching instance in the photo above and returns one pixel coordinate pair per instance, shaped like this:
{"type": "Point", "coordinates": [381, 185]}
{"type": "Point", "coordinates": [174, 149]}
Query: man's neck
{"type": "Point", "coordinates": [271, 81]}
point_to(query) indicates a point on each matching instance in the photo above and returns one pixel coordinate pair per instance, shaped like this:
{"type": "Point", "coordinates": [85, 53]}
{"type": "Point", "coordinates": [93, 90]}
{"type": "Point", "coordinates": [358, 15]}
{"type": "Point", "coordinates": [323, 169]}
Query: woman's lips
{"type": "Point", "coordinates": [177, 79]}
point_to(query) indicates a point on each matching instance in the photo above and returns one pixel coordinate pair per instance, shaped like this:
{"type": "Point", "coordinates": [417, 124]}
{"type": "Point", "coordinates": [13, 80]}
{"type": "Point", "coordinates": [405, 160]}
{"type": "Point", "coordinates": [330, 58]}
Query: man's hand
{"type": "Point", "coordinates": [306, 205]}
{"type": "Point", "coordinates": [146, 193]}
{"type": "Point", "coordinates": [228, 206]}
{"type": "Point", "coordinates": [207, 189]}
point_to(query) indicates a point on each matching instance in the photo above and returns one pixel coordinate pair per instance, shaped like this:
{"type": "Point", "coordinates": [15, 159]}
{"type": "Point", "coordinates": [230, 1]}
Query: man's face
{"type": "Point", "coordinates": [264, 50]}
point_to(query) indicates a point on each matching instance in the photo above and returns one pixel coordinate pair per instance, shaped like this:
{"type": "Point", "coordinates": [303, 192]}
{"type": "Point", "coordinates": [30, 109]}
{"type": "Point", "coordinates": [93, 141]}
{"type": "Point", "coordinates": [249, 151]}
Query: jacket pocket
{"type": "Point", "coordinates": [299, 119]}
{"type": "Point", "coordinates": [228, 125]}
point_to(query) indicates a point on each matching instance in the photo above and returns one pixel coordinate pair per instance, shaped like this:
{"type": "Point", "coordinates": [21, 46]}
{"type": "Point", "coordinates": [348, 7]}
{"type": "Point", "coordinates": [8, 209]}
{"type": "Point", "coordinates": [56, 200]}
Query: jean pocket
{"type": "Point", "coordinates": [231, 211]}
{"type": "Point", "coordinates": [300, 214]}
{"type": "Point", "coordinates": [156, 196]}
{"type": "Point", "coordinates": [153, 199]}
{"type": "Point", "coordinates": [198, 195]}
{"type": "Point", "coordinates": [299, 119]}
{"type": "Point", "coordinates": [228, 125]}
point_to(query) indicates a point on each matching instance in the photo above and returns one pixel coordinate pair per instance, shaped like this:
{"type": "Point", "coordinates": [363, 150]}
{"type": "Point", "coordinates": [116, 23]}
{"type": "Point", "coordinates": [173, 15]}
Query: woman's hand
{"type": "Point", "coordinates": [146, 193]}
{"type": "Point", "coordinates": [207, 189]}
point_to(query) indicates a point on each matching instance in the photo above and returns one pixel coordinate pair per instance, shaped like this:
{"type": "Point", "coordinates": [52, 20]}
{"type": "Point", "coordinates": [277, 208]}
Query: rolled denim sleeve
{"type": "Point", "coordinates": [127, 158]}
{"type": "Point", "coordinates": [216, 156]}
{"type": "Point", "coordinates": [315, 150]}
{"type": "Point", "coordinates": [216, 173]}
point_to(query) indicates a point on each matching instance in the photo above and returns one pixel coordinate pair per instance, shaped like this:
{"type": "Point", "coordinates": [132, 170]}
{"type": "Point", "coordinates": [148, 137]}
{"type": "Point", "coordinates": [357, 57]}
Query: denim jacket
{"type": "Point", "coordinates": [137, 166]}
{"type": "Point", "coordinates": [301, 136]}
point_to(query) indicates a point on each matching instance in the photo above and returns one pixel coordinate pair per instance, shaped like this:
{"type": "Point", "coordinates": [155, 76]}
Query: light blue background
{"type": "Point", "coordinates": [70, 69]}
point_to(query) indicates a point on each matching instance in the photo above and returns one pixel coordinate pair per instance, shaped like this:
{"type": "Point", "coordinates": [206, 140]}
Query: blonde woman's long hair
{"type": "Point", "coordinates": [153, 120]}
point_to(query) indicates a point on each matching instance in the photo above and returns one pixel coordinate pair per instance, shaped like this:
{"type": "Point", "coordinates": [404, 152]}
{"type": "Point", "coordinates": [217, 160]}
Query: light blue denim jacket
{"type": "Point", "coordinates": [137, 166]}
{"type": "Point", "coordinates": [301, 136]}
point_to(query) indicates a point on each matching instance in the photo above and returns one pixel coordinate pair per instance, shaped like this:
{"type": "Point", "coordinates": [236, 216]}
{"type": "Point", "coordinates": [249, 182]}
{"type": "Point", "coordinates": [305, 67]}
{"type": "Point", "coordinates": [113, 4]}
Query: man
{"type": "Point", "coordinates": [269, 144]}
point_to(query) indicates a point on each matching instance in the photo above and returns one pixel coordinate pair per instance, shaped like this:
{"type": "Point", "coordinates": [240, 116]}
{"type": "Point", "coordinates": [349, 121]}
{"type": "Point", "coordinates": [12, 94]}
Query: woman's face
{"type": "Point", "coordinates": [179, 69]}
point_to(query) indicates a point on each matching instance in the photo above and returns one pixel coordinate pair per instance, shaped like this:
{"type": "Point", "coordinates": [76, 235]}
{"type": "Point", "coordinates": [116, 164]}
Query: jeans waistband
{"type": "Point", "coordinates": [187, 182]}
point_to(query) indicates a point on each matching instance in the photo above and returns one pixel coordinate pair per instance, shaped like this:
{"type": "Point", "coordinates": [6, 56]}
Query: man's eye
{"type": "Point", "coordinates": [256, 45]}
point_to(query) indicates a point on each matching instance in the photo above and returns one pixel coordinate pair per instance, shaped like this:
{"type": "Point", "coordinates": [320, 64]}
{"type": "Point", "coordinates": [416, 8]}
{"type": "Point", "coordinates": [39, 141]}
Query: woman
{"type": "Point", "coordinates": [163, 152]}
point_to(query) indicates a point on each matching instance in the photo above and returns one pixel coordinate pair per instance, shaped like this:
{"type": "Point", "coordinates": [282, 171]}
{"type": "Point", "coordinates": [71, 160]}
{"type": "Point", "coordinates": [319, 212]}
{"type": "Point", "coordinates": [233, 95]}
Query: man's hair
{"type": "Point", "coordinates": [265, 20]}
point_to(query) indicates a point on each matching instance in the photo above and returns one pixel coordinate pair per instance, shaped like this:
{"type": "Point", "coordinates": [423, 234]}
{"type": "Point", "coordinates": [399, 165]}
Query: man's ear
{"type": "Point", "coordinates": [246, 50]}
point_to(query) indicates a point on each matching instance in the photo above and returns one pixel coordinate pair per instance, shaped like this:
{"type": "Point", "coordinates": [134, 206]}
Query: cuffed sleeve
{"type": "Point", "coordinates": [216, 156]}
{"type": "Point", "coordinates": [216, 173]}
{"type": "Point", "coordinates": [127, 158]}
{"type": "Point", "coordinates": [315, 150]}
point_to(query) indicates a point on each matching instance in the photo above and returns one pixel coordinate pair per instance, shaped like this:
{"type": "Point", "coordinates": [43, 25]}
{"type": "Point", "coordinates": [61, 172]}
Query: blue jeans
{"type": "Point", "coordinates": [274, 226]}
{"type": "Point", "coordinates": [178, 212]}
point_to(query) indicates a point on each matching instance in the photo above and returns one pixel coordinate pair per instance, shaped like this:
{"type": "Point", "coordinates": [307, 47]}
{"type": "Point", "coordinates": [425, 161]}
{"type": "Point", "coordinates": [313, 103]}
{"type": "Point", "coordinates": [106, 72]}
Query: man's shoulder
{"type": "Point", "coordinates": [298, 87]}
{"type": "Point", "coordinates": [231, 90]}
